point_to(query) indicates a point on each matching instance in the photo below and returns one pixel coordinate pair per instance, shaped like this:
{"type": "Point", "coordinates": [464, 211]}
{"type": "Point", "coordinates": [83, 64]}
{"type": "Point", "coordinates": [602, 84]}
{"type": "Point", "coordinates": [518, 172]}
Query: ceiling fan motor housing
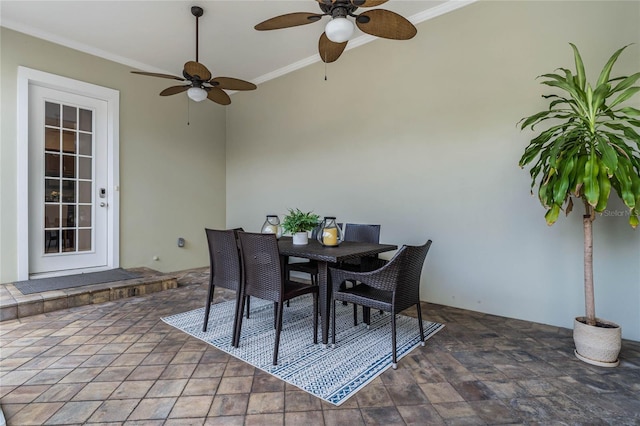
{"type": "Point", "coordinates": [338, 9]}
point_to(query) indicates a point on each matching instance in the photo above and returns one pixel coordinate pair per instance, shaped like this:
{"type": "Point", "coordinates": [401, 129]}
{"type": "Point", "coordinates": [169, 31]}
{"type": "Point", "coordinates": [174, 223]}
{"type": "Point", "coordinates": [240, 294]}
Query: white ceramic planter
{"type": "Point", "coordinates": [597, 345]}
{"type": "Point", "coordinates": [300, 238]}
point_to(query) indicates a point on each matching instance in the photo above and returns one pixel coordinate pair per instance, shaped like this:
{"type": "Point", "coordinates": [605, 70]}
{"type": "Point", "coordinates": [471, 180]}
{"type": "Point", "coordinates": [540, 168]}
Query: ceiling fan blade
{"type": "Point", "coordinates": [386, 24]}
{"type": "Point", "coordinates": [232, 83]}
{"type": "Point", "coordinates": [173, 90]}
{"type": "Point", "coordinates": [218, 96]}
{"type": "Point", "coordinates": [154, 74]}
{"type": "Point", "coordinates": [328, 50]}
{"type": "Point", "coordinates": [196, 70]}
{"type": "Point", "coordinates": [288, 20]}
{"type": "Point", "coordinates": [367, 3]}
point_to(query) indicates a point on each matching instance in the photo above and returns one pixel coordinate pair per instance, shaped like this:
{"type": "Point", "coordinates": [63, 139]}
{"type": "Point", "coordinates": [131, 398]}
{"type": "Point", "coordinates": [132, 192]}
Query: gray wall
{"type": "Point", "coordinates": [420, 136]}
{"type": "Point", "coordinates": [172, 176]}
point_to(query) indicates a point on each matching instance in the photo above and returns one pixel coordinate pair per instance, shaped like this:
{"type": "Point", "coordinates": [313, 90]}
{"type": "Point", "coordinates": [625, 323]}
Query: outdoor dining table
{"type": "Point", "coordinates": [325, 256]}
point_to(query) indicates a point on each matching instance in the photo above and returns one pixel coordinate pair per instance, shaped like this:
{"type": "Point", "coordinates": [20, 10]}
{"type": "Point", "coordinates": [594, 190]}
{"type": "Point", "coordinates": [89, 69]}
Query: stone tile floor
{"type": "Point", "coordinates": [118, 363]}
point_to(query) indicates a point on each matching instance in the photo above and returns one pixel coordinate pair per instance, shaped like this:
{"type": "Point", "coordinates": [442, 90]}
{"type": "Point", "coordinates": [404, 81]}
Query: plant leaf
{"type": "Point", "coordinates": [609, 156]}
{"type": "Point", "coordinates": [591, 185]}
{"type": "Point", "coordinates": [579, 66]}
{"type": "Point", "coordinates": [569, 207]}
{"type": "Point", "coordinates": [605, 189]}
{"type": "Point", "coordinates": [552, 214]}
{"type": "Point", "coordinates": [627, 82]}
{"type": "Point", "coordinates": [625, 95]}
{"type": "Point", "coordinates": [630, 111]}
{"type": "Point", "coordinates": [606, 71]}
{"type": "Point", "coordinates": [623, 176]}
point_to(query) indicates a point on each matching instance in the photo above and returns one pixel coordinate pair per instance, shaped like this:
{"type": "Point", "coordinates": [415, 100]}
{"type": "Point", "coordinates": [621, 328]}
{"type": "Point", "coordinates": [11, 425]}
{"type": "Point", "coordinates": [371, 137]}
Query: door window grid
{"type": "Point", "coordinates": [68, 179]}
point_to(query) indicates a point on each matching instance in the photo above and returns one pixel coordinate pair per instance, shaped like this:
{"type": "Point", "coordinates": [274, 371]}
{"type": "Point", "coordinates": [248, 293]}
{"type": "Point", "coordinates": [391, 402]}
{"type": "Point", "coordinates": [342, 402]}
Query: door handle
{"type": "Point", "coordinates": [103, 204]}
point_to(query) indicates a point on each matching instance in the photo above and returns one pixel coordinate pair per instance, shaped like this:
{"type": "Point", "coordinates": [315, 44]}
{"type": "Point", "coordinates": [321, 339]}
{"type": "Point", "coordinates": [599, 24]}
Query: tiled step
{"type": "Point", "coordinates": [15, 305]}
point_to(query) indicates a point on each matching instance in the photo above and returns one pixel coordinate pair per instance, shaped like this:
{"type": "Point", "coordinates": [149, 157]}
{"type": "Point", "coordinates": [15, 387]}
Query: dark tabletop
{"type": "Point", "coordinates": [346, 250]}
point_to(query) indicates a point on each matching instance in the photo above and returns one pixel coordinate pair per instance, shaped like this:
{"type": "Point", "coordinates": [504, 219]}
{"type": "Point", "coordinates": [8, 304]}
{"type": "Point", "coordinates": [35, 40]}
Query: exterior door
{"type": "Point", "coordinates": [68, 182]}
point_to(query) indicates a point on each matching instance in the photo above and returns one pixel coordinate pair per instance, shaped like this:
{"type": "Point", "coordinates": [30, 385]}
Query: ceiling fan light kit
{"type": "Point", "coordinates": [333, 41]}
{"type": "Point", "coordinates": [339, 29]}
{"type": "Point", "coordinates": [201, 86]}
{"type": "Point", "coordinates": [197, 94]}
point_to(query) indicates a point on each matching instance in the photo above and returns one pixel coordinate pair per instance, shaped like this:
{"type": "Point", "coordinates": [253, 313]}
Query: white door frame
{"type": "Point", "coordinates": [26, 77]}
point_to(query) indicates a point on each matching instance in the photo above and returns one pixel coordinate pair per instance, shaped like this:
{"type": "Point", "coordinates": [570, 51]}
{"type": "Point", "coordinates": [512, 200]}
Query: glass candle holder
{"type": "Point", "coordinates": [330, 234]}
{"type": "Point", "coordinates": [272, 226]}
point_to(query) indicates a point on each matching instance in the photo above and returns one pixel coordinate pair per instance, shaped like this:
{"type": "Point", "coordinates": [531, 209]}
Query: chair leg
{"type": "Point", "coordinates": [315, 318]}
{"type": "Point", "coordinates": [237, 327]}
{"type": "Point", "coordinates": [394, 359]}
{"type": "Point", "coordinates": [208, 307]}
{"type": "Point", "coordinates": [237, 315]}
{"type": "Point", "coordinates": [275, 314]}
{"type": "Point", "coordinates": [355, 314]}
{"type": "Point", "coordinates": [333, 323]}
{"type": "Point", "coordinates": [420, 323]}
{"type": "Point", "coordinates": [248, 305]}
{"type": "Point", "coordinates": [278, 330]}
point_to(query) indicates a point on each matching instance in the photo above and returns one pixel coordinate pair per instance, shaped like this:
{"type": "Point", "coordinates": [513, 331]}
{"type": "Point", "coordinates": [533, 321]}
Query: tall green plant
{"type": "Point", "coordinates": [590, 145]}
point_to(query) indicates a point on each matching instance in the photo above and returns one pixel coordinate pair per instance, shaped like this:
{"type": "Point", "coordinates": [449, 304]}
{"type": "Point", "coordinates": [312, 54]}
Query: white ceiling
{"type": "Point", "coordinates": [159, 36]}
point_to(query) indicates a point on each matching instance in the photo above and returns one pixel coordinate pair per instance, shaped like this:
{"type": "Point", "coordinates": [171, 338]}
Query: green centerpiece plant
{"type": "Point", "coordinates": [298, 223]}
{"type": "Point", "coordinates": [590, 144]}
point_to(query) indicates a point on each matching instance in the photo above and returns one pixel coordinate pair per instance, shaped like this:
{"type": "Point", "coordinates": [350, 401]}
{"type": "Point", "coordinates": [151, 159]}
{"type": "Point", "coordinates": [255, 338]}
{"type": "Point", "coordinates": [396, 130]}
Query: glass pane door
{"type": "Point", "coordinates": [68, 179]}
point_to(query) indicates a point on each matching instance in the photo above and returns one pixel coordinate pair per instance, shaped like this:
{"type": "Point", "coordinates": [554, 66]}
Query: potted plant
{"type": "Point", "coordinates": [590, 145]}
{"type": "Point", "coordinates": [298, 223]}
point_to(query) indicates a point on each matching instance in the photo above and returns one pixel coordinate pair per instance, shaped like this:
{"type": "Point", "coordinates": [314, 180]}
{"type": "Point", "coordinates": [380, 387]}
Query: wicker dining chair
{"type": "Point", "coordinates": [392, 288]}
{"type": "Point", "coordinates": [363, 233]}
{"type": "Point", "coordinates": [224, 265]}
{"type": "Point", "coordinates": [264, 278]}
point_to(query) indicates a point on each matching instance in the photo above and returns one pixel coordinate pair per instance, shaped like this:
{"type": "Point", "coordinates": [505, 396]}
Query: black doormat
{"type": "Point", "coordinates": [40, 285]}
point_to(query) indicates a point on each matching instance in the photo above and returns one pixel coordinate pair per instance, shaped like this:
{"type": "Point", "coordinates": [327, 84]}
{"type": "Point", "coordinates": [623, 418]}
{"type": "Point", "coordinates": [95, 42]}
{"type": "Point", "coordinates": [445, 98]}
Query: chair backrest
{"type": "Point", "coordinates": [261, 265]}
{"type": "Point", "coordinates": [362, 233]}
{"type": "Point", "coordinates": [224, 258]}
{"type": "Point", "coordinates": [314, 231]}
{"type": "Point", "coordinates": [409, 261]}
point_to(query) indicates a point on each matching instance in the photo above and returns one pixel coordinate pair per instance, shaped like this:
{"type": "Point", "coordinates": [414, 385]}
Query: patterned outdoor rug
{"type": "Point", "coordinates": [333, 374]}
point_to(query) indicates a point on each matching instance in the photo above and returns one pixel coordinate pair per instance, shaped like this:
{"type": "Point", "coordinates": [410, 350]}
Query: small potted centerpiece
{"type": "Point", "coordinates": [298, 224]}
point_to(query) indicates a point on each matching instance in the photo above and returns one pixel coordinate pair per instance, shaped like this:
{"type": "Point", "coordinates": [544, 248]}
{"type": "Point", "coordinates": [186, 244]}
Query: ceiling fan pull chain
{"type": "Point", "coordinates": [188, 111]}
{"type": "Point", "coordinates": [325, 70]}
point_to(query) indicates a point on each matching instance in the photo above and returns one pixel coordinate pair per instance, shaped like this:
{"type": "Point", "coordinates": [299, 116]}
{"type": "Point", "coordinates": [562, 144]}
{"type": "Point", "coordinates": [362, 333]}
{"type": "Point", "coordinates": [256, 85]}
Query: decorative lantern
{"type": "Point", "coordinates": [330, 234]}
{"type": "Point", "coordinates": [272, 226]}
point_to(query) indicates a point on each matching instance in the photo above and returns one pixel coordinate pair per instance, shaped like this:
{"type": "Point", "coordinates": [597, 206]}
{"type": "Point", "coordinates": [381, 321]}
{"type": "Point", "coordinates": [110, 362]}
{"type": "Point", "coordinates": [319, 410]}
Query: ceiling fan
{"type": "Point", "coordinates": [377, 22]}
{"type": "Point", "coordinates": [201, 86]}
